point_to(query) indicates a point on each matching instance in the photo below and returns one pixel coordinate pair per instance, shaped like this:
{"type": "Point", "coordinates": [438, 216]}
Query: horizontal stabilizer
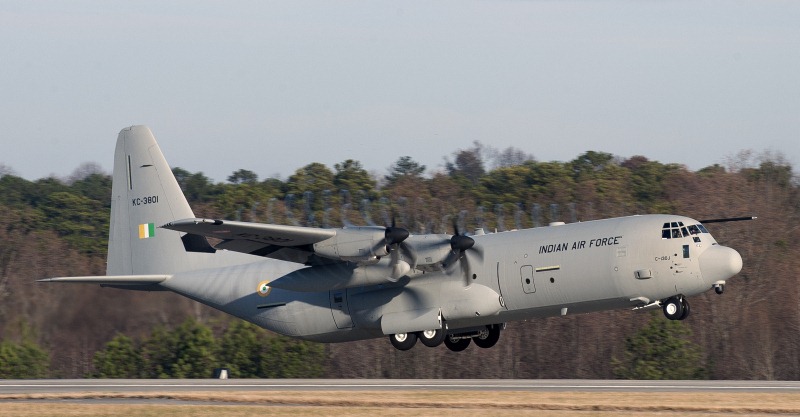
{"type": "Point", "coordinates": [112, 279]}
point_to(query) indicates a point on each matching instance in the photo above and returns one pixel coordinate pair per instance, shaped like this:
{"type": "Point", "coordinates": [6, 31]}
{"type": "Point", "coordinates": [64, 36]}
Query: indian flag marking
{"type": "Point", "coordinates": [147, 230]}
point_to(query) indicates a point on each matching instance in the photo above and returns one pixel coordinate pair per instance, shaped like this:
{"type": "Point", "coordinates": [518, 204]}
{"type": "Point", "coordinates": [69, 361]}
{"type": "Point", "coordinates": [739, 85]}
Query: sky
{"type": "Point", "coordinates": [271, 86]}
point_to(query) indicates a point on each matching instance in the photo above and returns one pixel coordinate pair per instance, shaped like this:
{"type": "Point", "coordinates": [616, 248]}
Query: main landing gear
{"type": "Point", "coordinates": [483, 338]}
{"type": "Point", "coordinates": [676, 308]}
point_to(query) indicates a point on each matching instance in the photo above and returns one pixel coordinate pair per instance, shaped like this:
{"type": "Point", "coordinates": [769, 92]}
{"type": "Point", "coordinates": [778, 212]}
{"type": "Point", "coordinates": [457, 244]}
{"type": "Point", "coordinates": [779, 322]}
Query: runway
{"type": "Point", "coordinates": [77, 386]}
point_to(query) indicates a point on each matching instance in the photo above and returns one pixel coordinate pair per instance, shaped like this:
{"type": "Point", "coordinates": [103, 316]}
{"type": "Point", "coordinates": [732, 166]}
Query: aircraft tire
{"type": "Point", "coordinates": [456, 345]}
{"type": "Point", "coordinates": [673, 308]}
{"type": "Point", "coordinates": [432, 338]}
{"type": "Point", "coordinates": [403, 341]}
{"type": "Point", "coordinates": [686, 309]}
{"type": "Point", "coordinates": [491, 338]}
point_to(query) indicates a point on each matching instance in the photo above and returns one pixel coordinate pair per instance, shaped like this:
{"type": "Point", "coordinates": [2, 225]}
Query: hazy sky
{"type": "Point", "coordinates": [273, 86]}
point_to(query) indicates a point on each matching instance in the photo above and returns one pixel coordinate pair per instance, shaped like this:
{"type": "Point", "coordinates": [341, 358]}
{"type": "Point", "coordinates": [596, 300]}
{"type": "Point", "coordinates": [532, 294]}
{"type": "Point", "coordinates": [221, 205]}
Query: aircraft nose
{"type": "Point", "coordinates": [719, 263]}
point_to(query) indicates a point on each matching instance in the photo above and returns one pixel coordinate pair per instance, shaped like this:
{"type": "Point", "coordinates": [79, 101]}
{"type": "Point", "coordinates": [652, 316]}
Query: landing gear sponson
{"type": "Point", "coordinates": [484, 337]}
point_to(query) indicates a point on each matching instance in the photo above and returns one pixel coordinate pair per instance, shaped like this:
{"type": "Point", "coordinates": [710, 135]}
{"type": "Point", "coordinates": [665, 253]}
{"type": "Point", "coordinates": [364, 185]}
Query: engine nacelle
{"type": "Point", "coordinates": [354, 244]}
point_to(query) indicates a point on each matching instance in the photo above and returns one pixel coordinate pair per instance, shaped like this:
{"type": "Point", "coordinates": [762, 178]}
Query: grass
{"type": "Point", "coordinates": [400, 403]}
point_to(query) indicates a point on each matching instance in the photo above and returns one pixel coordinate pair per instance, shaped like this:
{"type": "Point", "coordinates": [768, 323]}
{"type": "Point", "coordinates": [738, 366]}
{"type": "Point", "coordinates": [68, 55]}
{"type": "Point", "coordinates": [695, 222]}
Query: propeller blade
{"type": "Point", "coordinates": [393, 238]}
{"type": "Point", "coordinates": [409, 255]}
{"type": "Point", "coordinates": [450, 260]}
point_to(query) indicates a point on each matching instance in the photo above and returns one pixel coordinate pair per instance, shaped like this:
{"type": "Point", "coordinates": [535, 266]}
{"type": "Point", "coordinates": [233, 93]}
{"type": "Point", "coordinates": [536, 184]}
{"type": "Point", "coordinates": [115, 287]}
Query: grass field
{"type": "Point", "coordinates": [401, 403]}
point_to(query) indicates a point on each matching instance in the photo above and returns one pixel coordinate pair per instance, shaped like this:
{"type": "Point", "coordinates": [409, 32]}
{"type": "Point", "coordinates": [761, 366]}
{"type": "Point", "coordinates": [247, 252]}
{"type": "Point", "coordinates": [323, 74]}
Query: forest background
{"type": "Point", "coordinates": [59, 227]}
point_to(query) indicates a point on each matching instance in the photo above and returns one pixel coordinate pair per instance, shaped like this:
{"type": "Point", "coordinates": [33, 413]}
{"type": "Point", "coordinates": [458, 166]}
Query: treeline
{"type": "Point", "coordinates": [58, 227]}
{"type": "Point", "coordinates": [192, 351]}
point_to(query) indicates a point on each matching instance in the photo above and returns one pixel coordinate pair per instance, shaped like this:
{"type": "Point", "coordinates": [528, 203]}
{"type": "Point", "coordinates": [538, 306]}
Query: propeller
{"type": "Point", "coordinates": [393, 239]}
{"type": "Point", "coordinates": [459, 245]}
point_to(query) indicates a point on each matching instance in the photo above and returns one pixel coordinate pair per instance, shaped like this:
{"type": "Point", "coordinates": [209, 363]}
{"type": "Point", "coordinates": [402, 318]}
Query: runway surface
{"type": "Point", "coordinates": [72, 386]}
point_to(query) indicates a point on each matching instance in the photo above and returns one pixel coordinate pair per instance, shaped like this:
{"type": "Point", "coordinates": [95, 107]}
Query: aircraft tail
{"type": "Point", "coordinates": [146, 195]}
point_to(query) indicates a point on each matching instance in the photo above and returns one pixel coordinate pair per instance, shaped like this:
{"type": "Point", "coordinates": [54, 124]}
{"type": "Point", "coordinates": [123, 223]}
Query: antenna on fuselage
{"type": "Point", "coordinates": [730, 219]}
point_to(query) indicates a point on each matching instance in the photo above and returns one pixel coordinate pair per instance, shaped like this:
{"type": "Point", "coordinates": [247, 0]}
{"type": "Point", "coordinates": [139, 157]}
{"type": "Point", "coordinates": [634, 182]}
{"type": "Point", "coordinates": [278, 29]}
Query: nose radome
{"type": "Point", "coordinates": [719, 263]}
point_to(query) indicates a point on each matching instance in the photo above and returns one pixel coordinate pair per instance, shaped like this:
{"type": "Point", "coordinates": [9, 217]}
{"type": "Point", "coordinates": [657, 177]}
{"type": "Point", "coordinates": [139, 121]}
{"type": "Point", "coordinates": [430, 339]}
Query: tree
{"type": "Point", "coordinates": [314, 177]}
{"type": "Point", "coordinates": [510, 157]}
{"type": "Point", "coordinates": [403, 168]}
{"type": "Point", "coordinates": [119, 359]}
{"type": "Point", "coordinates": [468, 164]}
{"type": "Point", "coordinates": [251, 352]}
{"type": "Point", "coordinates": [23, 360]}
{"type": "Point", "coordinates": [284, 357]}
{"type": "Point", "coordinates": [350, 175]}
{"type": "Point", "coordinates": [243, 176]}
{"type": "Point", "coordinates": [186, 352]}
{"type": "Point", "coordinates": [240, 349]}
{"type": "Point", "coordinates": [194, 350]}
{"type": "Point", "coordinates": [196, 187]}
{"type": "Point", "coordinates": [81, 221]}
{"type": "Point", "coordinates": [660, 350]}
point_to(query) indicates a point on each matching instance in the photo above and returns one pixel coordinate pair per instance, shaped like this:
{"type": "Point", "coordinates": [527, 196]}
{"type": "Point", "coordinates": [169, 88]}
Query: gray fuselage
{"type": "Point", "coordinates": [625, 262]}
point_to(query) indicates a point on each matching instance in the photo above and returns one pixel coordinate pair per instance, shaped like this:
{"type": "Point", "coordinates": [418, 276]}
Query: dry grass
{"type": "Point", "coordinates": [401, 403]}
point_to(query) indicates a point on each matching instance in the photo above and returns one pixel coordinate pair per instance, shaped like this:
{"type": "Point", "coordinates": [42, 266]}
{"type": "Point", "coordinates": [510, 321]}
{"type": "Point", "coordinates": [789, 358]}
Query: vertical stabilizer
{"type": "Point", "coordinates": [144, 196]}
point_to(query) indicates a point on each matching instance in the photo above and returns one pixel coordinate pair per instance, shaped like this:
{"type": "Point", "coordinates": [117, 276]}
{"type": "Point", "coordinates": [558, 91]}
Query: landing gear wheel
{"type": "Point", "coordinates": [719, 289]}
{"type": "Point", "coordinates": [432, 338]}
{"type": "Point", "coordinates": [686, 309]}
{"type": "Point", "coordinates": [456, 345]}
{"type": "Point", "coordinates": [403, 341]}
{"type": "Point", "coordinates": [673, 308]}
{"type": "Point", "coordinates": [489, 339]}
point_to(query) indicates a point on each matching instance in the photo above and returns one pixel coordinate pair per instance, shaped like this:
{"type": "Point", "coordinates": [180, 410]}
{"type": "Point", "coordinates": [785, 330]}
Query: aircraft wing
{"type": "Point", "coordinates": [288, 243]}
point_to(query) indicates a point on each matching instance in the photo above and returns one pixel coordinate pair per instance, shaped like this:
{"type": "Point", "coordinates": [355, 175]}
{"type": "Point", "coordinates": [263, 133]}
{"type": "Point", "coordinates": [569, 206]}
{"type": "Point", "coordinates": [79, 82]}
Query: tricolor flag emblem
{"type": "Point", "coordinates": [147, 230]}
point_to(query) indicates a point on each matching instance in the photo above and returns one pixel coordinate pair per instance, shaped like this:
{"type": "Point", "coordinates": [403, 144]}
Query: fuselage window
{"type": "Point", "coordinates": [702, 228]}
{"type": "Point", "coordinates": [694, 230]}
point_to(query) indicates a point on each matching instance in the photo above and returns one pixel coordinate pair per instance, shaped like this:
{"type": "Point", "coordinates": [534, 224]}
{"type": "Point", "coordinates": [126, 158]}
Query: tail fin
{"type": "Point", "coordinates": [146, 195]}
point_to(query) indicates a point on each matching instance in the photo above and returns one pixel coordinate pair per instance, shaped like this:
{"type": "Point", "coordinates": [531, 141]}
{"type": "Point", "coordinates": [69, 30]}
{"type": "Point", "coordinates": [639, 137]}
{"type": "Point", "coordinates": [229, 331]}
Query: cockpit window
{"type": "Point", "coordinates": [676, 230]}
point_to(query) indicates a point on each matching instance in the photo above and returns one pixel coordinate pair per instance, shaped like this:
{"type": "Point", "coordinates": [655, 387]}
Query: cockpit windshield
{"type": "Point", "coordinates": [677, 230]}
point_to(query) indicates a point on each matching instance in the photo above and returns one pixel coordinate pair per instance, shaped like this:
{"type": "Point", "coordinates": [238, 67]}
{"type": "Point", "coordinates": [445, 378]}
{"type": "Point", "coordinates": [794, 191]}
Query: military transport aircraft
{"type": "Point", "coordinates": [354, 283]}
